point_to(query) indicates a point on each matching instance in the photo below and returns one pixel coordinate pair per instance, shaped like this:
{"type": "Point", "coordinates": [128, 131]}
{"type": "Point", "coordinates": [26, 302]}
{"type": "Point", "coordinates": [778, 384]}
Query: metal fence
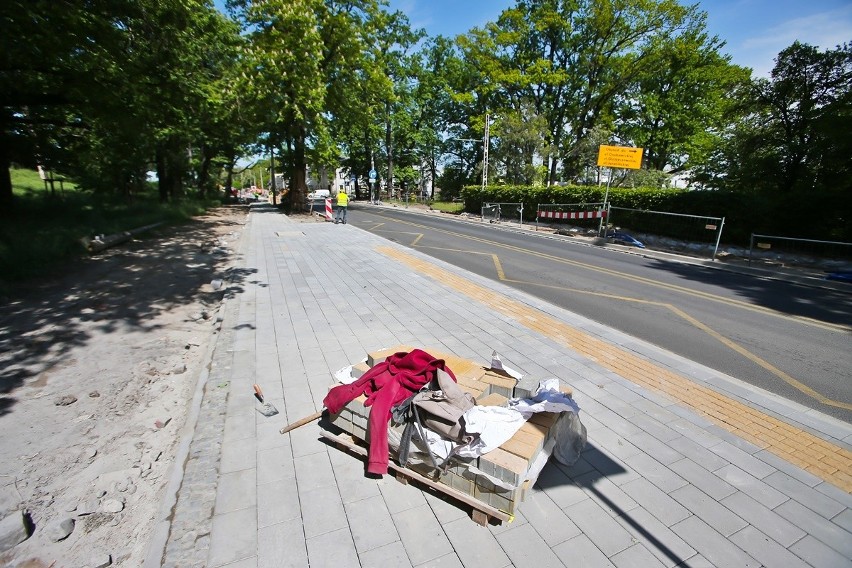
{"type": "Point", "coordinates": [804, 253]}
{"type": "Point", "coordinates": [583, 218]}
{"type": "Point", "coordinates": [697, 235]}
{"type": "Point", "coordinates": [495, 212]}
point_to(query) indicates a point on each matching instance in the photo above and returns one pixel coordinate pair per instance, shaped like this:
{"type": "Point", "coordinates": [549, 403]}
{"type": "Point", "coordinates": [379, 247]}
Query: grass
{"type": "Point", "coordinates": [448, 207]}
{"type": "Point", "coordinates": [47, 231]}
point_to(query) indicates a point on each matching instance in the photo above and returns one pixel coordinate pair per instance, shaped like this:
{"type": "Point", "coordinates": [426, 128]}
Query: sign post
{"type": "Point", "coordinates": [616, 157]}
{"type": "Point", "coordinates": [372, 178]}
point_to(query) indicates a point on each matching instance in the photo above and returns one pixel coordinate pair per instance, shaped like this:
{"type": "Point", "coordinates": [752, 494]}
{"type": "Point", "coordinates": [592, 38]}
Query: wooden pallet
{"type": "Point", "coordinates": [481, 513]}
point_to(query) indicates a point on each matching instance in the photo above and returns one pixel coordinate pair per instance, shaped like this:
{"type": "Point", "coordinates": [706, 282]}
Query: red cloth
{"type": "Point", "coordinates": [386, 385]}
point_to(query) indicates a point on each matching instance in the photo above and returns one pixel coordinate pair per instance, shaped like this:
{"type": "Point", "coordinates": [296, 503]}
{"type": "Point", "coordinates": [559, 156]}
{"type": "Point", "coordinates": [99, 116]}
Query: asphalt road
{"type": "Point", "coordinates": [791, 339]}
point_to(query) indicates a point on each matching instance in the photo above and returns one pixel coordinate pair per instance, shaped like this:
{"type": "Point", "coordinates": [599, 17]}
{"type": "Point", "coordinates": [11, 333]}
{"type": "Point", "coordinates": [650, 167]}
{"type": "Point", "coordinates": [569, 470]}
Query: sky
{"type": "Point", "coordinates": [755, 31]}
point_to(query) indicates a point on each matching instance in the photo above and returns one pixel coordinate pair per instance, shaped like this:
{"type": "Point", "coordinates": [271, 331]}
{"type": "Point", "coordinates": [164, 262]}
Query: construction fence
{"type": "Point", "coordinates": [508, 212]}
{"type": "Point", "coordinates": [796, 252]}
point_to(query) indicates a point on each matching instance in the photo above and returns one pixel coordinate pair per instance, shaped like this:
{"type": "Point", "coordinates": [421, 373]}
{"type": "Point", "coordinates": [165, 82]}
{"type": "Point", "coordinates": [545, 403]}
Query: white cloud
{"type": "Point", "coordinates": [824, 30]}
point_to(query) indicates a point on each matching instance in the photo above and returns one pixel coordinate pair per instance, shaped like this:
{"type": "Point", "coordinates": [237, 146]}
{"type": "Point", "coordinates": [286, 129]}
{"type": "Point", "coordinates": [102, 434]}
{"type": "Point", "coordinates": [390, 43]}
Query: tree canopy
{"type": "Point", "coordinates": [107, 91]}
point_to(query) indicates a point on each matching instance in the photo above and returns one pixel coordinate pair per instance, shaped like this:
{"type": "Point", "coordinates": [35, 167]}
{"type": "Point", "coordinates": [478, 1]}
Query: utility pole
{"type": "Point", "coordinates": [485, 156]}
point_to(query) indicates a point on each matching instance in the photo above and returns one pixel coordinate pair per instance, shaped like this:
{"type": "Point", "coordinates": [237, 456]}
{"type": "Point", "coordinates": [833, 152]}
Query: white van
{"type": "Point", "coordinates": [319, 194]}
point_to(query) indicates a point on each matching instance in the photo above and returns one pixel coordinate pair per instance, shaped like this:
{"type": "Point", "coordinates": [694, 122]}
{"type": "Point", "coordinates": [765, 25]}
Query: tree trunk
{"type": "Point", "coordinates": [162, 176]}
{"type": "Point", "coordinates": [204, 182]}
{"type": "Point", "coordinates": [299, 186]}
{"type": "Point", "coordinates": [389, 147]}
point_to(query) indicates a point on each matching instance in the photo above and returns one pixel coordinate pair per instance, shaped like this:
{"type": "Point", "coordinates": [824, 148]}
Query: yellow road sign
{"type": "Point", "coordinates": [620, 157]}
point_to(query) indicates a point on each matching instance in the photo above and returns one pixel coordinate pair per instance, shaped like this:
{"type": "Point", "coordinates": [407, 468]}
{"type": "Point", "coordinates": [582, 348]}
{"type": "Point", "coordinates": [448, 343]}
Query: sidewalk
{"type": "Point", "coordinates": [684, 466]}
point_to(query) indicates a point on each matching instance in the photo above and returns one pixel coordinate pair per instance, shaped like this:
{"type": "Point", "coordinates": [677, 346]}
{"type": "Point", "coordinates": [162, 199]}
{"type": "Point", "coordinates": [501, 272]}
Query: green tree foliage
{"type": "Point", "coordinates": [677, 110]}
{"type": "Point", "coordinates": [100, 90]}
{"type": "Point", "coordinates": [794, 136]}
{"type": "Point", "coordinates": [573, 59]}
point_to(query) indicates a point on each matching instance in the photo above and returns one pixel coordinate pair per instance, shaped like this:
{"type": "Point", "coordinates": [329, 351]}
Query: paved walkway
{"type": "Point", "coordinates": [684, 466]}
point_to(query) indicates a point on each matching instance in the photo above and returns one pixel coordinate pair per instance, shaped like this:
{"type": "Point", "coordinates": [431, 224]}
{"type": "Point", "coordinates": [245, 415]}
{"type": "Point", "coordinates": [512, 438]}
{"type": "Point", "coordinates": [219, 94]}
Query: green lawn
{"type": "Point", "coordinates": [47, 230]}
{"type": "Point", "coordinates": [448, 207]}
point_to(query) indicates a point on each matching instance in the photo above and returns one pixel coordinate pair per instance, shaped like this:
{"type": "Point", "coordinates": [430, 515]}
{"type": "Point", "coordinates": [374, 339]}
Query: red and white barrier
{"type": "Point", "coordinates": [329, 214]}
{"type": "Point", "coordinates": [572, 214]}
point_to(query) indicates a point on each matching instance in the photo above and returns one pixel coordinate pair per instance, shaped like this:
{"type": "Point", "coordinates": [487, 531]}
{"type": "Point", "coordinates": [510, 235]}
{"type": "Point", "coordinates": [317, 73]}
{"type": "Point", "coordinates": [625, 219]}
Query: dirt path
{"type": "Point", "coordinates": [97, 372]}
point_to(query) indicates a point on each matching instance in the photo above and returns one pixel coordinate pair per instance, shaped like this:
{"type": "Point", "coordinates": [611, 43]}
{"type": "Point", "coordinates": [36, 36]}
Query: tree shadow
{"type": "Point", "coordinates": [124, 288]}
{"type": "Point", "coordinates": [829, 304]}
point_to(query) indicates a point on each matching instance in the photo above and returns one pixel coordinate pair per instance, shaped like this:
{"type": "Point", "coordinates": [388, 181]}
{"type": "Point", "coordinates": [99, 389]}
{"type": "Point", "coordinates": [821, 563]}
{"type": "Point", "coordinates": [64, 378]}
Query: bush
{"type": "Point", "coordinates": [824, 216]}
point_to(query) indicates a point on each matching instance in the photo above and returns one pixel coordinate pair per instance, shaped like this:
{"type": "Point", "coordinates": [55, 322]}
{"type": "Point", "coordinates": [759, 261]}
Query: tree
{"type": "Point", "coordinates": [572, 59]}
{"type": "Point", "coordinates": [678, 107]}
{"type": "Point", "coordinates": [794, 132]}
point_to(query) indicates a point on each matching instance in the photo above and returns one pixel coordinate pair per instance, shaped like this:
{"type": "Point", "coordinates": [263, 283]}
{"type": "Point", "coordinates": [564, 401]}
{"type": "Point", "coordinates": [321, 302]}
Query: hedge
{"type": "Point", "coordinates": [820, 216]}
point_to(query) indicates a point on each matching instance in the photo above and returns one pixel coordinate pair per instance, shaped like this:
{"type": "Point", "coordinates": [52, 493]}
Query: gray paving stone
{"type": "Point", "coordinates": [654, 500]}
{"type": "Point", "coordinates": [711, 545]}
{"type": "Point", "coordinates": [828, 532]}
{"type": "Point", "coordinates": [606, 494]}
{"type": "Point", "coordinates": [704, 480]}
{"type": "Point", "coordinates": [762, 518]}
{"type": "Point", "coordinates": [268, 433]}
{"type": "Point", "coordinates": [233, 537]}
{"type": "Point", "coordinates": [765, 549]}
{"type": "Point", "coordinates": [757, 489]}
{"type": "Point", "coordinates": [663, 452]}
{"type": "Point", "coordinates": [579, 467]}
{"type": "Point", "coordinates": [654, 427]}
{"type": "Point", "coordinates": [663, 477]}
{"type": "Point", "coordinates": [668, 548]}
{"type": "Point", "coordinates": [399, 497]}
{"type": "Point", "coordinates": [475, 545]}
{"type": "Point", "coordinates": [322, 511]}
{"type": "Point", "coordinates": [844, 519]}
{"type": "Point", "coordinates": [422, 535]}
{"type": "Point", "coordinates": [805, 495]}
{"type": "Point", "coordinates": [580, 552]}
{"type": "Point", "coordinates": [525, 547]}
{"type": "Point", "coordinates": [275, 464]}
{"type": "Point", "coordinates": [559, 487]}
{"type": "Point", "coordinates": [786, 467]}
{"type": "Point", "coordinates": [314, 471]}
{"type": "Point", "coordinates": [236, 490]}
{"type": "Point", "coordinates": [547, 518]}
{"type": "Point", "coordinates": [392, 554]}
{"type": "Point", "coordinates": [686, 446]}
{"type": "Point", "coordinates": [332, 549]}
{"type": "Point", "coordinates": [349, 474]}
{"type": "Point", "coordinates": [835, 493]}
{"type": "Point", "coordinates": [278, 501]}
{"type": "Point", "coordinates": [709, 510]}
{"type": "Point", "coordinates": [237, 455]}
{"type": "Point", "coordinates": [818, 554]}
{"type": "Point", "coordinates": [637, 556]}
{"type": "Point", "coordinates": [370, 523]}
{"type": "Point", "coordinates": [282, 545]}
{"type": "Point", "coordinates": [609, 466]}
{"type": "Point", "coordinates": [743, 460]}
{"type": "Point", "coordinates": [601, 529]}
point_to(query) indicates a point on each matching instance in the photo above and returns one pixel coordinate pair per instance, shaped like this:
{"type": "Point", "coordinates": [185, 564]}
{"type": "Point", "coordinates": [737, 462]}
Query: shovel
{"type": "Point", "coordinates": [266, 408]}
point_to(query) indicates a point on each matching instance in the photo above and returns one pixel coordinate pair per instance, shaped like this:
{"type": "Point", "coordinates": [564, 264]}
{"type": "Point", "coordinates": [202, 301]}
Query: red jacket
{"type": "Point", "coordinates": [386, 385]}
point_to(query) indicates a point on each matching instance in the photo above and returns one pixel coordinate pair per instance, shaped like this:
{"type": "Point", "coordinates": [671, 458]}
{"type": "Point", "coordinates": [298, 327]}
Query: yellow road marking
{"type": "Point", "coordinates": [821, 458]}
{"type": "Point", "coordinates": [644, 280]}
{"type": "Point", "coordinates": [793, 382]}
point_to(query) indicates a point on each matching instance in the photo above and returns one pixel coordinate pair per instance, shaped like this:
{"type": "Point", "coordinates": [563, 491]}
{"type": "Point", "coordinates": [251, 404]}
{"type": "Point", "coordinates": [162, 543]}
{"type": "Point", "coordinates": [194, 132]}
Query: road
{"type": "Point", "coordinates": [790, 339]}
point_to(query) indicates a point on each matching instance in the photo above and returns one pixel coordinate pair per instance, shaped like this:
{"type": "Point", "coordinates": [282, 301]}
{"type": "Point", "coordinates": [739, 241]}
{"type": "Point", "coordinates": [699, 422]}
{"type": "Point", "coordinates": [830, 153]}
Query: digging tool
{"type": "Point", "coordinates": [301, 422]}
{"type": "Point", "coordinates": [266, 408]}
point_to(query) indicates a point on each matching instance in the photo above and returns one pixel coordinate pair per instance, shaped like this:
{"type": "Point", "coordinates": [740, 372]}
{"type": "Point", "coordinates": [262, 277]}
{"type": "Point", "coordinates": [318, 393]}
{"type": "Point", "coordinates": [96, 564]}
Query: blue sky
{"type": "Point", "coordinates": [755, 30]}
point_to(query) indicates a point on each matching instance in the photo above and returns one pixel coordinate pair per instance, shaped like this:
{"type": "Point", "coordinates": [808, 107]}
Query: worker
{"type": "Point", "coordinates": [341, 206]}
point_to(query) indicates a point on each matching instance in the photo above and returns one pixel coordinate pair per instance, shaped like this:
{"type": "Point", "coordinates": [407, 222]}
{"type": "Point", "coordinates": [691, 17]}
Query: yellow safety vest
{"type": "Point", "coordinates": [342, 199]}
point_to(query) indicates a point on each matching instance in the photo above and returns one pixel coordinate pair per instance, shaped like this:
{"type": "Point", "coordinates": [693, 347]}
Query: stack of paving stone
{"type": "Point", "coordinates": [510, 464]}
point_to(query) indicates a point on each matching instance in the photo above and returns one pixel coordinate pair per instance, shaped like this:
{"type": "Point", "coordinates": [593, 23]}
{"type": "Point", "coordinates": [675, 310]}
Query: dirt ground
{"type": "Point", "coordinates": [98, 368]}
